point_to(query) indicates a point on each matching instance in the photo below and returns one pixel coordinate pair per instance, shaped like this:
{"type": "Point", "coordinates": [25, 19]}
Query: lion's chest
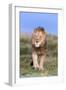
{"type": "Point", "coordinates": [39, 51]}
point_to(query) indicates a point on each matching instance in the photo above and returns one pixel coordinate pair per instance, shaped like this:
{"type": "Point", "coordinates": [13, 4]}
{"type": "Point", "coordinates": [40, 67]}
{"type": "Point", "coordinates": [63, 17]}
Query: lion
{"type": "Point", "coordinates": [38, 48]}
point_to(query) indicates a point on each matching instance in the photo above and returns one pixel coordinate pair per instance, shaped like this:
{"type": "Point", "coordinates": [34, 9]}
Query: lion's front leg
{"type": "Point", "coordinates": [42, 59]}
{"type": "Point", "coordinates": [35, 60]}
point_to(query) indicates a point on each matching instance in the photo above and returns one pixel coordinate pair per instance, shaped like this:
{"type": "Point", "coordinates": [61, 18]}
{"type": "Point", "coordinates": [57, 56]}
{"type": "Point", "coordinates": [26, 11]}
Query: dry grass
{"type": "Point", "coordinates": [51, 62]}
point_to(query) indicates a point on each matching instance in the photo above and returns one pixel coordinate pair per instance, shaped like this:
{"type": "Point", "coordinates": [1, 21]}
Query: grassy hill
{"type": "Point", "coordinates": [51, 62]}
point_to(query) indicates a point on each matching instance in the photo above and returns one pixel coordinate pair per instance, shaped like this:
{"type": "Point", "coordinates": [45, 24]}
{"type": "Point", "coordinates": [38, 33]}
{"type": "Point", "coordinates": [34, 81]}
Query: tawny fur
{"type": "Point", "coordinates": [38, 48]}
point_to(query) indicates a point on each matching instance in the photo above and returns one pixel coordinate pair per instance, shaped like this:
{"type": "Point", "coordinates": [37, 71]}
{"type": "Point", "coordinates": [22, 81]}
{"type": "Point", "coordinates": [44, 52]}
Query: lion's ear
{"type": "Point", "coordinates": [46, 33]}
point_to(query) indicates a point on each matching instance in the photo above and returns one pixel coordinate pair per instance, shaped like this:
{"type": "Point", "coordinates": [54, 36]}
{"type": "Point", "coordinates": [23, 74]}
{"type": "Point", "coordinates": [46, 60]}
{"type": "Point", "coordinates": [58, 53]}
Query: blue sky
{"type": "Point", "coordinates": [28, 21]}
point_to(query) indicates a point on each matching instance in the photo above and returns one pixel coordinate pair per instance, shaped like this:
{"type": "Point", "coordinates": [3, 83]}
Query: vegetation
{"type": "Point", "coordinates": [51, 62]}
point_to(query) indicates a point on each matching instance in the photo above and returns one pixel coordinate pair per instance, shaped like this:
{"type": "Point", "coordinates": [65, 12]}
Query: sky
{"type": "Point", "coordinates": [30, 20]}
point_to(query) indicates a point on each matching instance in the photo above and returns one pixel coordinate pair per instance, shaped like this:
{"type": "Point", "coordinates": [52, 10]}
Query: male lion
{"type": "Point", "coordinates": [38, 47]}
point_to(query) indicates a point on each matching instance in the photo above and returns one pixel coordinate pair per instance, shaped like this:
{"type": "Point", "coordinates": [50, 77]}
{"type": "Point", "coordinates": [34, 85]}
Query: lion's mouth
{"type": "Point", "coordinates": [37, 44]}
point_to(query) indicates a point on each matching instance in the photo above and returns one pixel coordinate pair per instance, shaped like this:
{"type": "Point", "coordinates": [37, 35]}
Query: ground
{"type": "Point", "coordinates": [51, 62]}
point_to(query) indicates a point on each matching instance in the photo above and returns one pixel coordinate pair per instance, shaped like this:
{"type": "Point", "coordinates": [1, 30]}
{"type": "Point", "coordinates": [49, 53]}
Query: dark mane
{"type": "Point", "coordinates": [40, 29]}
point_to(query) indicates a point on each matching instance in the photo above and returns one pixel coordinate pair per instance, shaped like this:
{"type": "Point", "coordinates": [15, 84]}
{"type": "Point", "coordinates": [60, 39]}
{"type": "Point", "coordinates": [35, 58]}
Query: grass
{"type": "Point", "coordinates": [51, 62]}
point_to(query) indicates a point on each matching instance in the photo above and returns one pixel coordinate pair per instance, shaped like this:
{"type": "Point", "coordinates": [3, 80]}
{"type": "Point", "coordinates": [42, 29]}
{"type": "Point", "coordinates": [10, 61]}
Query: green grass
{"type": "Point", "coordinates": [51, 62]}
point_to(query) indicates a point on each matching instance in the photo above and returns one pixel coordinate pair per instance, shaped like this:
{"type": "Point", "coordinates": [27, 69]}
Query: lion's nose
{"type": "Point", "coordinates": [36, 41]}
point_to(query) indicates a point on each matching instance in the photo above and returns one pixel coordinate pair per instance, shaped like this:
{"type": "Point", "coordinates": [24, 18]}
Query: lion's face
{"type": "Point", "coordinates": [38, 38]}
